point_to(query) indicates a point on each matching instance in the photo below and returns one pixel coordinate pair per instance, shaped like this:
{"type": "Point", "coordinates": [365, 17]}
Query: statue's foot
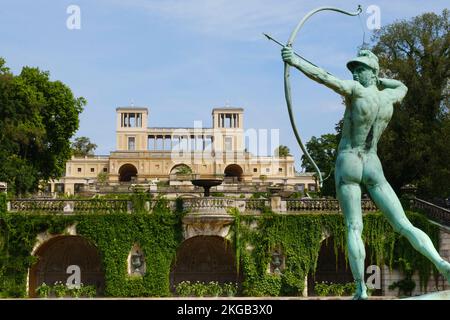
{"type": "Point", "coordinates": [444, 269]}
{"type": "Point", "coordinates": [360, 296]}
{"type": "Point", "coordinates": [361, 292]}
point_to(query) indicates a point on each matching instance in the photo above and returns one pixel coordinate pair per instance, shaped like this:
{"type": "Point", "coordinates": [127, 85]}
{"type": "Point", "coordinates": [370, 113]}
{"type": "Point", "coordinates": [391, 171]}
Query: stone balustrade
{"type": "Point", "coordinates": [312, 205]}
{"type": "Point", "coordinates": [252, 205]}
{"type": "Point", "coordinates": [433, 212]}
{"type": "Point", "coordinates": [68, 206]}
{"type": "Point", "coordinates": [212, 205]}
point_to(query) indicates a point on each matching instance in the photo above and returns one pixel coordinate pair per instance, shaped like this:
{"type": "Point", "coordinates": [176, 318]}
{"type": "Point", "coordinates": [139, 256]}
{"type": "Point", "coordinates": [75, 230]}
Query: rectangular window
{"type": "Point", "coordinates": [255, 169]}
{"type": "Point", "coordinates": [311, 187]}
{"type": "Point", "coordinates": [227, 121]}
{"type": "Point", "coordinates": [125, 119]}
{"type": "Point", "coordinates": [280, 169]}
{"type": "Point", "coordinates": [131, 143]}
{"type": "Point", "coordinates": [78, 169]}
{"type": "Point", "coordinates": [228, 143]}
{"type": "Point", "coordinates": [59, 187]}
{"type": "Point", "coordinates": [139, 120]}
{"type": "Point", "coordinates": [208, 143]}
{"type": "Point", "coordinates": [132, 120]}
{"type": "Point", "coordinates": [301, 187]}
{"type": "Point", "coordinates": [92, 169]}
{"type": "Point", "coordinates": [184, 143]}
{"type": "Point", "coordinates": [159, 143]}
{"type": "Point", "coordinates": [105, 169]}
{"type": "Point", "coordinates": [151, 141]}
{"type": "Point", "coordinates": [78, 187]}
{"type": "Point", "coordinates": [267, 170]}
{"type": "Point", "coordinates": [167, 143]}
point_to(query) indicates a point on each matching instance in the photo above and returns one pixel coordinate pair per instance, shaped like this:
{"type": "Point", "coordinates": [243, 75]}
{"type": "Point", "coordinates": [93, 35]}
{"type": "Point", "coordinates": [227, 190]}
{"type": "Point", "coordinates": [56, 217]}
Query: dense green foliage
{"type": "Point", "coordinates": [183, 169]}
{"type": "Point", "coordinates": [415, 149]}
{"type": "Point", "coordinates": [114, 234]}
{"type": "Point", "coordinates": [282, 151]}
{"type": "Point", "coordinates": [324, 151]}
{"type": "Point", "coordinates": [2, 203]}
{"type": "Point", "coordinates": [159, 235]}
{"type": "Point", "coordinates": [82, 146]}
{"type": "Point", "coordinates": [299, 238]}
{"type": "Point", "coordinates": [201, 289]}
{"type": "Point", "coordinates": [37, 119]}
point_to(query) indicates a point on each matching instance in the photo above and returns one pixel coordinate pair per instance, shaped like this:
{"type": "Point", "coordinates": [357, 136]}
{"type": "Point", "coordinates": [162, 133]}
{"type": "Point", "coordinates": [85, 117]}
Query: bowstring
{"type": "Point", "coordinates": [364, 45]}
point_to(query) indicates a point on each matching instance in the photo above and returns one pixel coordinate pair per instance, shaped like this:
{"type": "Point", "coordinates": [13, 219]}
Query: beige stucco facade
{"type": "Point", "coordinates": [145, 154]}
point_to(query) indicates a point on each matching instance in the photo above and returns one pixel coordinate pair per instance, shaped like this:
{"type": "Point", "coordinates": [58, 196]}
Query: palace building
{"type": "Point", "coordinates": [176, 155]}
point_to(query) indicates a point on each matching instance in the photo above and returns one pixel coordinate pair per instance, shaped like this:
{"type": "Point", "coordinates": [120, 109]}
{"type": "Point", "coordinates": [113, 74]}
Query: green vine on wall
{"type": "Point", "coordinates": [159, 235]}
{"type": "Point", "coordinates": [299, 238]}
{"type": "Point", "coordinates": [2, 203]}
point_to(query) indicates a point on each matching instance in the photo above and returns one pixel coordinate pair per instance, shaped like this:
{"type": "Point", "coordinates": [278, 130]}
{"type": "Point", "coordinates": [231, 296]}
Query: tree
{"type": "Point", "coordinates": [37, 119]}
{"type": "Point", "coordinates": [323, 150]}
{"type": "Point", "coordinates": [183, 170]}
{"type": "Point", "coordinates": [102, 178]}
{"type": "Point", "coordinates": [82, 147]}
{"type": "Point", "coordinates": [282, 151]}
{"type": "Point", "coordinates": [415, 147]}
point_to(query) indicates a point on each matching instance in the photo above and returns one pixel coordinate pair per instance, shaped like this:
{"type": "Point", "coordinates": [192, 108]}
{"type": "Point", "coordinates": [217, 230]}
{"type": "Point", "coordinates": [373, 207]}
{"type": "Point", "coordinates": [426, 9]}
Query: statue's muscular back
{"type": "Point", "coordinates": [368, 112]}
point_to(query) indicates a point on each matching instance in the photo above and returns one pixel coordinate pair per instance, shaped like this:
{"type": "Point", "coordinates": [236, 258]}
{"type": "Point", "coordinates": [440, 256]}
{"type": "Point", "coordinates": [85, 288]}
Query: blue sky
{"type": "Point", "coordinates": [181, 58]}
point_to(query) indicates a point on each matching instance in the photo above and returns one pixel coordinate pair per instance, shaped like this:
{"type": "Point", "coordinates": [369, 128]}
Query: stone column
{"type": "Point", "coordinates": [305, 289]}
{"type": "Point", "coordinates": [277, 205]}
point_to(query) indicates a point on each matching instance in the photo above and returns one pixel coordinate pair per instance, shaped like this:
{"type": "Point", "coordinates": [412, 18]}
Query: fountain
{"type": "Point", "coordinates": [206, 184]}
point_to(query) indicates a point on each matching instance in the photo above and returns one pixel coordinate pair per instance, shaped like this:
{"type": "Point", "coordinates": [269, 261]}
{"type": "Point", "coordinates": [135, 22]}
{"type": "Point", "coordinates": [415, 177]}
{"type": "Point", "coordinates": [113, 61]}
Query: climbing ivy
{"type": "Point", "coordinates": [19, 233]}
{"type": "Point", "coordinates": [115, 235]}
{"type": "Point", "coordinates": [299, 237]}
{"type": "Point", "coordinates": [2, 203]}
{"type": "Point", "coordinates": [159, 234]}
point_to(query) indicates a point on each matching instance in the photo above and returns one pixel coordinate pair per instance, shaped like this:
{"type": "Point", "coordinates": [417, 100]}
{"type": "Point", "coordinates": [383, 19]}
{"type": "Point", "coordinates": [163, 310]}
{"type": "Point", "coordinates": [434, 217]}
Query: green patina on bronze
{"type": "Point", "coordinates": [369, 106]}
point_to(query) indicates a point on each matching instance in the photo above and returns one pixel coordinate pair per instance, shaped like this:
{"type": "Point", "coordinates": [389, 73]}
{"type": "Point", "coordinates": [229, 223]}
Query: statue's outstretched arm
{"type": "Point", "coordinates": [343, 87]}
{"type": "Point", "coordinates": [395, 89]}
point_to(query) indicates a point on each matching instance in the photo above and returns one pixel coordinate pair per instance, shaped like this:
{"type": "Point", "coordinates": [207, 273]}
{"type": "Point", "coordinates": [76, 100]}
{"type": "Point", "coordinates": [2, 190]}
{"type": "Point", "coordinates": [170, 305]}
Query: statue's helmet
{"type": "Point", "coordinates": [367, 58]}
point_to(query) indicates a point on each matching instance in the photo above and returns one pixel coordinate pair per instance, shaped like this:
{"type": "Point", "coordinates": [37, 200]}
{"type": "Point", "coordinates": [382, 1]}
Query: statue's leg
{"type": "Point", "coordinates": [387, 201]}
{"type": "Point", "coordinates": [348, 174]}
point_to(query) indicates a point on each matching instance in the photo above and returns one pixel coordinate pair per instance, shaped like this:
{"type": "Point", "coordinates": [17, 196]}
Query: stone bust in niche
{"type": "Point", "coordinates": [136, 262]}
{"type": "Point", "coordinates": [276, 264]}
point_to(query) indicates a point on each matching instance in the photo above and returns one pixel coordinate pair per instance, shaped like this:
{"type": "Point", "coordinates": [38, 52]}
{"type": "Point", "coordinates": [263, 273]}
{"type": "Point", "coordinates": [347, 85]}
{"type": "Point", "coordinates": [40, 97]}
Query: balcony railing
{"type": "Point", "coordinates": [68, 206]}
{"type": "Point", "coordinates": [331, 205]}
{"type": "Point", "coordinates": [433, 212]}
{"type": "Point", "coordinates": [212, 205]}
{"type": "Point", "coordinates": [256, 204]}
